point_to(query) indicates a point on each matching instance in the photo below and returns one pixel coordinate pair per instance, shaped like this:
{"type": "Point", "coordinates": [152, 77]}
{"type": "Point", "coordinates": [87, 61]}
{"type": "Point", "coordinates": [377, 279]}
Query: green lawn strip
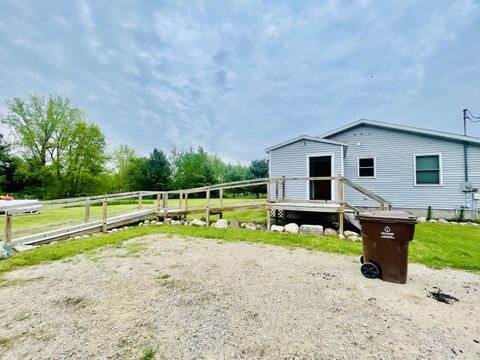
{"type": "Point", "coordinates": [436, 245]}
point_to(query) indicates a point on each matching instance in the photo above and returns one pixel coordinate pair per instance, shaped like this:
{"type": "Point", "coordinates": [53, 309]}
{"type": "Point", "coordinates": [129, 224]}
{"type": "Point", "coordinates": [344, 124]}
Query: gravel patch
{"type": "Point", "coordinates": [194, 298]}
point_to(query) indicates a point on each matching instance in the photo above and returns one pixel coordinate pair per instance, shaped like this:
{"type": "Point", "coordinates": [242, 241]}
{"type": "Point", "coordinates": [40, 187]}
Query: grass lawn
{"type": "Point", "coordinates": [436, 245]}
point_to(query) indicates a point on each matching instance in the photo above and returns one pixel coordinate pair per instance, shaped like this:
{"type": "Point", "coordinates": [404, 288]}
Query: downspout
{"type": "Point", "coordinates": [465, 149]}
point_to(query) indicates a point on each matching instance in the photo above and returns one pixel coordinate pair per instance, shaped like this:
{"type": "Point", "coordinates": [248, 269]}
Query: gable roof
{"type": "Point", "coordinates": [304, 137]}
{"type": "Point", "coordinates": [404, 128]}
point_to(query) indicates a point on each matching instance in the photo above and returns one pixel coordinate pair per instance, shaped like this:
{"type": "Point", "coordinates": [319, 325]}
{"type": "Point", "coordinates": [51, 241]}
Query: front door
{"type": "Point", "coordinates": [320, 166]}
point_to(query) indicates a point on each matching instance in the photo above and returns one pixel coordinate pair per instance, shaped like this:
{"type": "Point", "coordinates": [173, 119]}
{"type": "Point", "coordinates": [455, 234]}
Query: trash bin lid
{"type": "Point", "coordinates": [388, 216]}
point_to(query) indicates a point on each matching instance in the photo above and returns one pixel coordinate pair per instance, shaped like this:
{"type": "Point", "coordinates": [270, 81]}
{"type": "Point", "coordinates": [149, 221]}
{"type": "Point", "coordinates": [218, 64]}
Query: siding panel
{"type": "Point", "coordinates": [394, 152]}
{"type": "Point", "coordinates": [291, 160]}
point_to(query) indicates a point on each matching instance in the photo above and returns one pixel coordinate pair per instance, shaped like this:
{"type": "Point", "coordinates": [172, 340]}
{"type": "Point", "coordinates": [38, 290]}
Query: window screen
{"type": "Point", "coordinates": [427, 169]}
{"type": "Point", "coordinates": [366, 167]}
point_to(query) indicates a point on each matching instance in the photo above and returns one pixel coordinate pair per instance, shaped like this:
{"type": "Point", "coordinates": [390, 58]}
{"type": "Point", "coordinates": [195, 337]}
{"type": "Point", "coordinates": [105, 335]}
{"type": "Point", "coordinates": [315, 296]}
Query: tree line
{"type": "Point", "coordinates": [57, 152]}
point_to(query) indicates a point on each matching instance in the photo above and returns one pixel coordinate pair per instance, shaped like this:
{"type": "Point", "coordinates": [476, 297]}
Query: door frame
{"type": "Point", "coordinates": [332, 172]}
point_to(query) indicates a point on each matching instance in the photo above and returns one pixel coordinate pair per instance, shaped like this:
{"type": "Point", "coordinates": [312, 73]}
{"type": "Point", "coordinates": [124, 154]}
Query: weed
{"type": "Point", "coordinates": [149, 354]}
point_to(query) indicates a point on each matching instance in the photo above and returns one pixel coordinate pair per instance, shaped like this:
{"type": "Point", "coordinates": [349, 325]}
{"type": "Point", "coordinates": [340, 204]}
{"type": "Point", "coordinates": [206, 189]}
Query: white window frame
{"type": "Point", "coordinates": [440, 162]}
{"type": "Point", "coordinates": [374, 167]}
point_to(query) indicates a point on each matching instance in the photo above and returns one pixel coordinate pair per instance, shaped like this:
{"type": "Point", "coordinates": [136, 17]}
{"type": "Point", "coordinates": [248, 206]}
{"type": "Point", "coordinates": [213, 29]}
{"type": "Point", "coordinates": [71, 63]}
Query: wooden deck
{"type": "Point", "coordinates": [163, 210]}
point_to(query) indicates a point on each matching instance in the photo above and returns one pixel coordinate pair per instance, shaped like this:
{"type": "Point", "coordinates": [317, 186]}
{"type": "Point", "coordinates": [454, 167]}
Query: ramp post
{"type": "Point", "coordinates": [140, 199]}
{"type": "Point", "coordinates": [8, 226]}
{"type": "Point", "coordinates": [104, 215]}
{"type": "Point", "coordinates": [207, 208]}
{"type": "Point", "coordinates": [87, 210]}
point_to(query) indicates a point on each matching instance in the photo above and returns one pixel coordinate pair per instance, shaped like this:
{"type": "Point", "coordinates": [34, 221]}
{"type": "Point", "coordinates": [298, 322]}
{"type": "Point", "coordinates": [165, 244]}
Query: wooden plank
{"type": "Point", "coordinates": [268, 219]}
{"type": "Point", "coordinates": [341, 220]}
{"type": "Point", "coordinates": [284, 181]}
{"type": "Point", "coordinates": [140, 200]}
{"type": "Point", "coordinates": [87, 210]}
{"type": "Point", "coordinates": [276, 190]}
{"type": "Point", "coordinates": [340, 195]}
{"type": "Point", "coordinates": [8, 227]}
{"type": "Point", "coordinates": [207, 208]}
{"type": "Point", "coordinates": [104, 215]}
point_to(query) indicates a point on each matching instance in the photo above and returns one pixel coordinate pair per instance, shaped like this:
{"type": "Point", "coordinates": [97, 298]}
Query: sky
{"type": "Point", "coordinates": [237, 77]}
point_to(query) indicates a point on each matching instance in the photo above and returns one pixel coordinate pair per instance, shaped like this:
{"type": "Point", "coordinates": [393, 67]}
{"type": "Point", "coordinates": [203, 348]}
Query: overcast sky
{"type": "Point", "coordinates": [237, 77]}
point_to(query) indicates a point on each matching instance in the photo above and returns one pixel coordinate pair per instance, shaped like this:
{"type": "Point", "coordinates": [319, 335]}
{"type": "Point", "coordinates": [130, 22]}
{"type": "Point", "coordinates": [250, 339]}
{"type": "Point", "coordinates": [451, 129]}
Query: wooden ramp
{"type": "Point", "coordinates": [162, 208]}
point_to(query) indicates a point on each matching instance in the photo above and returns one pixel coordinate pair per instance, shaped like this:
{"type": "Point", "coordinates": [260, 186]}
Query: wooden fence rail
{"type": "Point", "coordinates": [164, 206]}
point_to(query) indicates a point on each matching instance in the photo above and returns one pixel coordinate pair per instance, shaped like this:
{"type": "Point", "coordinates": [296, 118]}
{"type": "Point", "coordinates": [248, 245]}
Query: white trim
{"type": "Point", "coordinates": [304, 137]}
{"type": "Point", "coordinates": [374, 167]}
{"type": "Point", "coordinates": [332, 172]}
{"type": "Point", "coordinates": [342, 164]}
{"type": "Point", "coordinates": [410, 129]}
{"type": "Point", "coordinates": [440, 163]}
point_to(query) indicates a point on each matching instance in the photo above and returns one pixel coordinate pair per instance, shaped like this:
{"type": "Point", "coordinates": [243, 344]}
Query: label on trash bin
{"type": "Point", "coordinates": [387, 234]}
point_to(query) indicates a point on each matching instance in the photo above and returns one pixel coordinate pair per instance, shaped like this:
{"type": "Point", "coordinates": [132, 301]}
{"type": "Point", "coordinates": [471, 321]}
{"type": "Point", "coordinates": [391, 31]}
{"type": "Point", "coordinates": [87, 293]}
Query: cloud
{"type": "Point", "coordinates": [238, 77]}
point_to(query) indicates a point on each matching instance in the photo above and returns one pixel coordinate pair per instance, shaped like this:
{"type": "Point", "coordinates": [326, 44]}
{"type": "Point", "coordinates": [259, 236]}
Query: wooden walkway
{"type": "Point", "coordinates": [275, 200]}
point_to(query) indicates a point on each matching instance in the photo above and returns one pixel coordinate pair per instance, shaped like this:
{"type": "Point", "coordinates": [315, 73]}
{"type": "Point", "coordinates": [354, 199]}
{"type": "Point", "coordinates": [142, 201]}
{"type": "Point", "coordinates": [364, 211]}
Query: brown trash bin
{"type": "Point", "coordinates": [385, 237]}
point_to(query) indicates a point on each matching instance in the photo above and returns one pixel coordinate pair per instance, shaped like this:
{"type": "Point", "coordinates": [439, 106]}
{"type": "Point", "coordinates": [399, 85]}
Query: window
{"type": "Point", "coordinates": [366, 167]}
{"type": "Point", "coordinates": [428, 170]}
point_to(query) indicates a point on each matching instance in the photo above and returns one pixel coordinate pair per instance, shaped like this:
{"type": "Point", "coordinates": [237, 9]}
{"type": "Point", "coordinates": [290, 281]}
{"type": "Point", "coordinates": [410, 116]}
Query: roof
{"type": "Point", "coordinates": [304, 137]}
{"type": "Point", "coordinates": [410, 129]}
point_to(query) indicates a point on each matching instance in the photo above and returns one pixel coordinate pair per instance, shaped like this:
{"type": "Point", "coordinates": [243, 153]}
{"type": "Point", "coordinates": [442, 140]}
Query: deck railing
{"type": "Point", "coordinates": [173, 203]}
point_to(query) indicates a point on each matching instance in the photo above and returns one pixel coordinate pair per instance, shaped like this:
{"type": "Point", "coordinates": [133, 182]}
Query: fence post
{"type": "Point", "coordinates": [268, 191]}
{"type": "Point", "coordinates": [207, 207]}
{"type": "Point", "coordinates": [8, 226]}
{"type": "Point", "coordinates": [158, 206]}
{"type": "Point", "coordinates": [186, 201]}
{"type": "Point", "coordinates": [104, 215]}
{"type": "Point", "coordinates": [165, 207]}
{"type": "Point", "coordinates": [87, 210]}
{"type": "Point", "coordinates": [340, 194]}
{"type": "Point", "coordinates": [140, 199]}
{"type": "Point", "coordinates": [283, 188]}
{"type": "Point", "coordinates": [382, 206]}
{"type": "Point", "coordinates": [180, 198]}
{"type": "Point", "coordinates": [221, 198]}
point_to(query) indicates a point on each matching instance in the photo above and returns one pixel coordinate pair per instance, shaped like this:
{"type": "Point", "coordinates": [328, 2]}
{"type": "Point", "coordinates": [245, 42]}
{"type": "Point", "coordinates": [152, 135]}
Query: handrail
{"type": "Point", "coordinates": [366, 192]}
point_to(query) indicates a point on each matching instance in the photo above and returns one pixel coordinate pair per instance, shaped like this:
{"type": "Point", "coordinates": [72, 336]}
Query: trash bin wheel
{"type": "Point", "coordinates": [361, 260]}
{"type": "Point", "coordinates": [370, 270]}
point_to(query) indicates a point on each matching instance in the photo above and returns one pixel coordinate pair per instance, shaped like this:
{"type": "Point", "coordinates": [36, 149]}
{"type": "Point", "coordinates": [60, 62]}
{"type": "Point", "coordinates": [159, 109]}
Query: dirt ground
{"type": "Point", "coordinates": [207, 299]}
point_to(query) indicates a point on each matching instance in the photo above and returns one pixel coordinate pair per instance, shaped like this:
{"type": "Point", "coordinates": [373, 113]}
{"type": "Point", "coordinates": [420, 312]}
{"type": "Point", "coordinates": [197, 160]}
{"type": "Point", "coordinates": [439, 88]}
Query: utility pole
{"type": "Point", "coordinates": [465, 148]}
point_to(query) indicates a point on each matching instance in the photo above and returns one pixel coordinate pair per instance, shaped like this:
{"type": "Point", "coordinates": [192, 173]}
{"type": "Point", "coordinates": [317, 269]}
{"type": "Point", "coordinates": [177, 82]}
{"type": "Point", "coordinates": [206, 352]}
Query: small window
{"type": "Point", "coordinates": [427, 170]}
{"type": "Point", "coordinates": [366, 167]}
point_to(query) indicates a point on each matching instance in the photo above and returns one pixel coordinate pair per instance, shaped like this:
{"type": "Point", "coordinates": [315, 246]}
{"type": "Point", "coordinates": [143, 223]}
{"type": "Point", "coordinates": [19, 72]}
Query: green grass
{"type": "Point", "coordinates": [148, 354]}
{"type": "Point", "coordinates": [436, 245]}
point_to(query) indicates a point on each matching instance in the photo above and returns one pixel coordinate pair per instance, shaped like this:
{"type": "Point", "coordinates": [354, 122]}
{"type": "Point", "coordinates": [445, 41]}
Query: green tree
{"type": "Point", "coordinates": [258, 169]}
{"type": "Point", "coordinates": [156, 172]}
{"type": "Point", "coordinates": [64, 153]}
{"type": "Point", "coordinates": [124, 161]}
{"type": "Point", "coordinates": [194, 168]}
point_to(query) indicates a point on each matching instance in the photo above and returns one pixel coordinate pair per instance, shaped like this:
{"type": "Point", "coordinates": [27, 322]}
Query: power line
{"type": "Point", "coordinates": [470, 116]}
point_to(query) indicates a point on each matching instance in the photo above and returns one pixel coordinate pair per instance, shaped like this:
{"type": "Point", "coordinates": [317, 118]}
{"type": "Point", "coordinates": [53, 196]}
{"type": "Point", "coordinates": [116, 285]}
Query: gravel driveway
{"type": "Point", "coordinates": [206, 299]}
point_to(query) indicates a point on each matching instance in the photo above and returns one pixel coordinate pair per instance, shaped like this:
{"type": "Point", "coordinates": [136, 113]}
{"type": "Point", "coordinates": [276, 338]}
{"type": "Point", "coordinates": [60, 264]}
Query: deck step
{"type": "Point", "coordinates": [353, 220]}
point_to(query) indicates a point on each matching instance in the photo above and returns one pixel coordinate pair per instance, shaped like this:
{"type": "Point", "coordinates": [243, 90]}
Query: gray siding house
{"type": "Point", "coordinates": [411, 167]}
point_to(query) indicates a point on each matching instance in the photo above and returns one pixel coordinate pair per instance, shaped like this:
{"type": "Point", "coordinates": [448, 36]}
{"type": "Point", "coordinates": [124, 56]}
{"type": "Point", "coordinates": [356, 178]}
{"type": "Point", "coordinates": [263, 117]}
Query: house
{"type": "Point", "coordinates": [413, 168]}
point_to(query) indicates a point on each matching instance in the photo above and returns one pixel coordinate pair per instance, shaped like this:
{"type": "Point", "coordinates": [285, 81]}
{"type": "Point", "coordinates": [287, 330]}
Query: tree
{"type": "Point", "coordinates": [124, 161]}
{"type": "Point", "coordinates": [156, 171]}
{"type": "Point", "coordinates": [258, 169]}
{"type": "Point", "coordinates": [63, 152]}
{"type": "Point", "coordinates": [193, 168]}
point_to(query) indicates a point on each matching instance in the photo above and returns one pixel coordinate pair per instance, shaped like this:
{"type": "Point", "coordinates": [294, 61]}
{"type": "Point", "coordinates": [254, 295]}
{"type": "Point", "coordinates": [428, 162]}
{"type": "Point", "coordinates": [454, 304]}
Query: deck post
{"type": "Point", "coordinates": [268, 191]}
{"type": "Point", "coordinates": [382, 206]}
{"type": "Point", "coordinates": [221, 203]}
{"type": "Point", "coordinates": [341, 220]}
{"type": "Point", "coordinates": [180, 200]}
{"type": "Point", "coordinates": [340, 199]}
{"type": "Point", "coordinates": [186, 201]}
{"type": "Point", "coordinates": [207, 208]}
{"type": "Point", "coordinates": [87, 210]}
{"type": "Point", "coordinates": [104, 215]}
{"type": "Point", "coordinates": [283, 188]}
{"type": "Point", "coordinates": [276, 190]}
{"type": "Point", "coordinates": [8, 226]}
{"type": "Point", "coordinates": [269, 220]}
{"type": "Point", "coordinates": [140, 199]}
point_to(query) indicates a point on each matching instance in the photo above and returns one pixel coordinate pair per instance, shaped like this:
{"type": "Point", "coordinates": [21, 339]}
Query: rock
{"type": "Point", "coordinates": [234, 224]}
{"type": "Point", "coordinates": [85, 236]}
{"type": "Point", "coordinates": [453, 223]}
{"type": "Point", "coordinates": [422, 219]}
{"type": "Point", "coordinates": [348, 233]}
{"type": "Point", "coordinates": [114, 230]}
{"type": "Point", "coordinates": [474, 224]}
{"type": "Point", "coordinates": [153, 222]}
{"type": "Point", "coordinates": [78, 237]}
{"type": "Point", "coordinates": [5, 251]}
{"type": "Point", "coordinates": [168, 220]}
{"type": "Point", "coordinates": [250, 226]}
{"type": "Point", "coordinates": [221, 224]}
{"type": "Point", "coordinates": [21, 248]}
{"type": "Point", "coordinates": [330, 232]}
{"type": "Point", "coordinates": [462, 224]}
{"type": "Point", "coordinates": [147, 222]}
{"type": "Point", "coordinates": [97, 234]}
{"type": "Point", "coordinates": [432, 221]}
{"type": "Point", "coordinates": [355, 238]}
{"type": "Point", "coordinates": [443, 221]}
{"type": "Point", "coordinates": [341, 237]}
{"type": "Point", "coordinates": [242, 225]}
{"type": "Point", "coordinates": [277, 228]}
{"type": "Point", "coordinates": [198, 222]}
{"type": "Point", "coordinates": [311, 229]}
{"type": "Point", "coordinates": [261, 227]}
{"type": "Point", "coordinates": [292, 228]}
